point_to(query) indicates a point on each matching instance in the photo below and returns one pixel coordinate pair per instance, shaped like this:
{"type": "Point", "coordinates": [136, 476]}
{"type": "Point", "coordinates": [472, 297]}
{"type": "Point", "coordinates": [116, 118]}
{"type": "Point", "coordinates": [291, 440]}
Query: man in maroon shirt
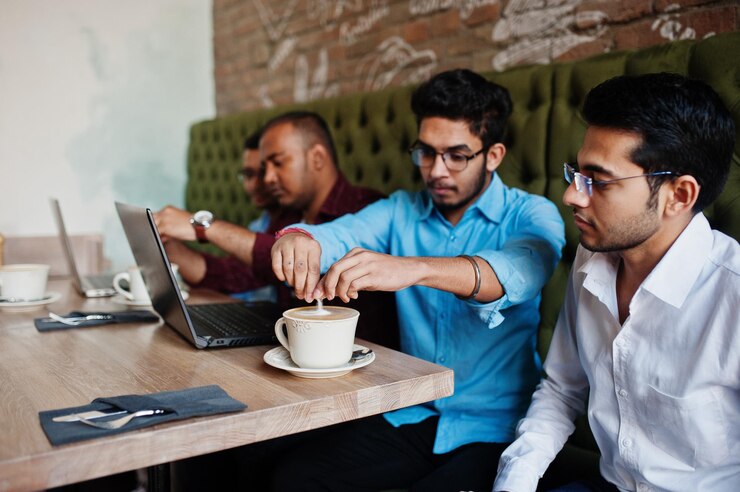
{"type": "Point", "coordinates": [301, 173]}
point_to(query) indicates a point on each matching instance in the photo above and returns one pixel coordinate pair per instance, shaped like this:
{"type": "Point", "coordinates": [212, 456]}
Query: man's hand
{"type": "Point", "coordinates": [174, 223]}
{"type": "Point", "coordinates": [361, 269]}
{"type": "Point", "coordinates": [296, 259]}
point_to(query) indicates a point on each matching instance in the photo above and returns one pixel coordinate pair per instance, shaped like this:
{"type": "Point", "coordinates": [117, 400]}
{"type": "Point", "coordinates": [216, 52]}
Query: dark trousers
{"type": "Point", "coordinates": [372, 455]}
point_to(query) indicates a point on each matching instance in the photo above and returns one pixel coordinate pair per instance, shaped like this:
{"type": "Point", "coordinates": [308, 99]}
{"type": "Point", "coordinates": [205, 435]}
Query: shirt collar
{"type": "Point", "coordinates": [333, 206]}
{"type": "Point", "coordinates": [601, 274]}
{"type": "Point", "coordinates": [674, 276]}
{"type": "Point", "coordinates": [491, 203]}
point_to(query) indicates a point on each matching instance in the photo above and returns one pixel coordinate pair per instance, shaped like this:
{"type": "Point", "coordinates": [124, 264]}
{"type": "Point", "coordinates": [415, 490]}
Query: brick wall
{"type": "Point", "coordinates": [271, 52]}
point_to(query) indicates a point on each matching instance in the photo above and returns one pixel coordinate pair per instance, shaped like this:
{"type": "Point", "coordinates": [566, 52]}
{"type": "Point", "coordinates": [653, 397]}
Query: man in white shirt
{"type": "Point", "coordinates": [648, 339]}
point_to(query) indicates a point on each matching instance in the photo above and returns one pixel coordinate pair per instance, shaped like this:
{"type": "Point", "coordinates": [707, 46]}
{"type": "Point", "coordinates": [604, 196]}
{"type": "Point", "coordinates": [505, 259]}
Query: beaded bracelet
{"type": "Point", "coordinates": [476, 289]}
{"type": "Point", "coordinates": [288, 230]}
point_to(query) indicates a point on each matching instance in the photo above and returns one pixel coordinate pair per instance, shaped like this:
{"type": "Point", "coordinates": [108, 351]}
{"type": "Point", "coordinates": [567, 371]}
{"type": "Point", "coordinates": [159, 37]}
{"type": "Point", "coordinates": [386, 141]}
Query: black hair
{"type": "Point", "coordinates": [311, 126]}
{"type": "Point", "coordinates": [252, 142]}
{"type": "Point", "coordinates": [684, 126]}
{"type": "Point", "coordinates": [463, 95]}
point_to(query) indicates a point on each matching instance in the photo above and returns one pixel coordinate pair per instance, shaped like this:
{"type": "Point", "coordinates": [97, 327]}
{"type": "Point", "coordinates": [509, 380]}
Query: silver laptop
{"type": "Point", "coordinates": [226, 324]}
{"type": "Point", "coordinates": [87, 285]}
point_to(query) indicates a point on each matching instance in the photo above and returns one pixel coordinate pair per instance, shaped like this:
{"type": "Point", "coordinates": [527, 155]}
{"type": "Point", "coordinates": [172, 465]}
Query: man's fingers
{"type": "Point", "coordinates": [300, 271]}
{"type": "Point", "coordinates": [277, 265]}
{"type": "Point", "coordinates": [313, 272]}
{"type": "Point", "coordinates": [288, 267]}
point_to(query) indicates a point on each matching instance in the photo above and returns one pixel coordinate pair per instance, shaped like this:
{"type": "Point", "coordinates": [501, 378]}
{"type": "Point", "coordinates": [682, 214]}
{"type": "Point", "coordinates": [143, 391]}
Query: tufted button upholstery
{"type": "Point", "coordinates": [372, 132]}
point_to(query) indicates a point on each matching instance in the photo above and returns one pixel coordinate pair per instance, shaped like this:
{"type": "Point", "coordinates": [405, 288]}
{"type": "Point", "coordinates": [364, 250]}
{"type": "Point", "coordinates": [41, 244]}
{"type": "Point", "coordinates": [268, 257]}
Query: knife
{"type": "Point", "coordinates": [94, 414]}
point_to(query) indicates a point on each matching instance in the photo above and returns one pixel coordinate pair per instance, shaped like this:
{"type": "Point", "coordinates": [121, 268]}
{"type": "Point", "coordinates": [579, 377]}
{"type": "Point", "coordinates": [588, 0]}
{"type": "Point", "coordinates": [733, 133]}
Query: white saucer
{"type": "Point", "coordinates": [279, 357]}
{"type": "Point", "coordinates": [122, 300]}
{"type": "Point", "coordinates": [30, 305]}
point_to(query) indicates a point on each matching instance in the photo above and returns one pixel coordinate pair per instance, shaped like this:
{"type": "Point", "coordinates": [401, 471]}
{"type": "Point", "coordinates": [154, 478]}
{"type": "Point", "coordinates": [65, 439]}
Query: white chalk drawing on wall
{"type": "Point", "coordinates": [464, 7]}
{"type": "Point", "coordinates": [349, 31]}
{"type": "Point", "coordinates": [274, 22]}
{"type": "Point", "coordinates": [284, 49]}
{"type": "Point", "coordinates": [319, 86]}
{"type": "Point", "coordinates": [263, 94]}
{"type": "Point", "coordinates": [669, 27]}
{"type": "Point", "coordinates": [541, 33]}
{"type": "Point", "coordinates": [329, 11]}
{"type": "Point", "coordinates": [281, 53]}
{"type": "Point", "coordinates": [396, 62]}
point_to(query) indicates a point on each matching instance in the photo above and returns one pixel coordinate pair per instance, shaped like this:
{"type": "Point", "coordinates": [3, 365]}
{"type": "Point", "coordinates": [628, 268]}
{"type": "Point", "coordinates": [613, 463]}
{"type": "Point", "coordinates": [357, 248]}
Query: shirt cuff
{"type": "Point", "coordinates": [515, 476]}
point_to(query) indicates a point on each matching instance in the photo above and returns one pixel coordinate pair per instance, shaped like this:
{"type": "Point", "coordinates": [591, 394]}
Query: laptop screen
{"type": "Point", "coordinates": [151, 257]}
{"type": "Point", "coordinates": [66, 244]}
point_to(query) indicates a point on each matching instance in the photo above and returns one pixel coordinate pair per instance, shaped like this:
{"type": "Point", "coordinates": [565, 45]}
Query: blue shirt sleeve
{"type": "Point", "coordinates": [528, 257]}
{"type": "Point", "coordinates": [369, 228]}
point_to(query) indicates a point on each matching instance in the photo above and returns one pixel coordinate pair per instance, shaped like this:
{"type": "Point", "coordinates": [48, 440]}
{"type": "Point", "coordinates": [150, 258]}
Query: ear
{"type": "Point", "coordinates": [681, 195]}
{"type": "Point", "coordinates": [318, 157]}
{"type": "Point", "coordinates": [494, 156]}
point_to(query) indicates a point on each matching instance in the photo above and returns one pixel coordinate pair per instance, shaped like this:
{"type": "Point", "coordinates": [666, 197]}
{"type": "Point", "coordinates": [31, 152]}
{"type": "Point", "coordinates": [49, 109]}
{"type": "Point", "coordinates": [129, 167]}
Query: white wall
{"type": "Point", "coordinates": [96, 99]}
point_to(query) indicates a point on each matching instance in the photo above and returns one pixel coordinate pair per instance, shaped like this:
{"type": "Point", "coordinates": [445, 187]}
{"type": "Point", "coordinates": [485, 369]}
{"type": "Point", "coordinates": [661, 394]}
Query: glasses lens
{"type": "Point", "coordinates": [422, 157]}
{"type": "Point", "coordinates": [455, 161]}
{"type": "Point", "coordinates": [568, 173]}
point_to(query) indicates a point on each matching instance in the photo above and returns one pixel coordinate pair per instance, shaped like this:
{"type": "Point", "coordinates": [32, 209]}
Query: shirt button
{"type": "Point", "coordinates": [620, 342]}
{"type": "Point", "coordinates": [622, 393]}
{"type": "Point", "coordinates": [627, 442]}
{"type": "Point", "coordinates": [642, 486]}
{"type": "Point", "coordinates": [441, 360]}
{"type": "Point", "coordinates": [453, 237]}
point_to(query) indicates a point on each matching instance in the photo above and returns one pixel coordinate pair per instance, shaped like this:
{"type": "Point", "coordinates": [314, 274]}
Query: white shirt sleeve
{"type": "Point", "coordinates": [559, 399]}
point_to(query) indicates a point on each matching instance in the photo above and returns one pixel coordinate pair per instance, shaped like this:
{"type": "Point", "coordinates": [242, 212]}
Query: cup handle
{"type": "Point", "coordinates": [280, 334]}
{"type": "Point", "coordinates": [121, 276]}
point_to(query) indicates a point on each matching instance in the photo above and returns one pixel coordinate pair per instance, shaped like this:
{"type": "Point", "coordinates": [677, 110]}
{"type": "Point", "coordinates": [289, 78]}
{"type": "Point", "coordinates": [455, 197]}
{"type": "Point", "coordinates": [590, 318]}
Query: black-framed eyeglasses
{"type": "Point", "coordinates": [584, 184]}
{"type": "Point", "coordinates": [424, 156]}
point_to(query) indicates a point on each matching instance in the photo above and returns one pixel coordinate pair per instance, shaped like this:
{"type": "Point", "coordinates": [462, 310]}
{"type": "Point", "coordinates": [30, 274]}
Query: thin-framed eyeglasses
{"type": "Point", "coordinates": [245, 174]}
{"type": "Point", "coordinates": [424, 156]}
{"type": "Point", "coordinates": [584, 184]}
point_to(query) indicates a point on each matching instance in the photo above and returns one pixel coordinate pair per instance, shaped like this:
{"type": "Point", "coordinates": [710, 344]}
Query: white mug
{"type": "Point", "coordinates": [137, 288]}
{"type": "Point", "coordinates": [23, 282]}
{"type": "Point", "coordinates": [318, 341]}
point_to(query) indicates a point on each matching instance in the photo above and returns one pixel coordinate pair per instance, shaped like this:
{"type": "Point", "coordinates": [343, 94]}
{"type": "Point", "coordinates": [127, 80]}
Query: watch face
{"type": "Point", "coordinates": [203, 217]}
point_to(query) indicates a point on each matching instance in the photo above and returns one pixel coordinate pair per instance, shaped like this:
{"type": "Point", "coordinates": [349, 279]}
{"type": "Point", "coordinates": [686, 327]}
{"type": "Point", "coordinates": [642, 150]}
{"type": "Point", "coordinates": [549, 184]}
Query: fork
{"type": "Point", "coordinates": [80, 319]}
{"type": "Point", "coordinates": [120, 421]}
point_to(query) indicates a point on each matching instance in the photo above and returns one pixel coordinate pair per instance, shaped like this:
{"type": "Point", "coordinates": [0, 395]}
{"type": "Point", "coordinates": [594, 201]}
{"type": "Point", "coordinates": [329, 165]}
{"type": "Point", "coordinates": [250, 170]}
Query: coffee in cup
{"type": "Point", "coordinates": [137, 292]}
{"type": "Point", "coordinates": [318, 338]}
{"type": "Point", "coordinates": [23, 282]}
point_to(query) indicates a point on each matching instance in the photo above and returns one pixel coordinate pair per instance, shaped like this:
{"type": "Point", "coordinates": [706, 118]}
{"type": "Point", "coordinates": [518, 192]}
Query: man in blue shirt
{"type": "Point", "coordinates": [467, 259]}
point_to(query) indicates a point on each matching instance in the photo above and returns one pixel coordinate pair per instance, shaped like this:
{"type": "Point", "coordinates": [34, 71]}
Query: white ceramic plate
{"type": "Point", "coordinates": [279, 357]}
{"type": "Point", "coordinates": [122, 300]}
{"type": "Point", "coordinates": [30, 305]}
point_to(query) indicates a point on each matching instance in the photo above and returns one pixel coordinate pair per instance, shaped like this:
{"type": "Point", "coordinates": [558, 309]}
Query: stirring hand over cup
{"type": "Point", "coordinates": [296, 259]}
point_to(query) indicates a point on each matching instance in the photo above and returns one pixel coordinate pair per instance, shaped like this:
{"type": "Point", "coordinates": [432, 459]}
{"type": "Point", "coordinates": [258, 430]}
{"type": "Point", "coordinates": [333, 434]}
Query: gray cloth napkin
{"type": "Point", "coordinates": [134, 316]}
{"type": "Point", "coordinates": [180, 404]}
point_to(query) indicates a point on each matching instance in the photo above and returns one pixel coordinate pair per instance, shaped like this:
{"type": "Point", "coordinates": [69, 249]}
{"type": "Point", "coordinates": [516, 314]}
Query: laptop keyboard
{"type": "Point", "coordinates": [230, 320]}
{"type": "Point", "coordinates": [100, 281]}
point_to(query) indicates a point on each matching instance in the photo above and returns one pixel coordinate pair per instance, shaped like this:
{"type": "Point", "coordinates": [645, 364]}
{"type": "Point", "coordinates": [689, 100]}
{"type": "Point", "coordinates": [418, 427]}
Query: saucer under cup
{"type": "Point", "coordinates": [316, 340]}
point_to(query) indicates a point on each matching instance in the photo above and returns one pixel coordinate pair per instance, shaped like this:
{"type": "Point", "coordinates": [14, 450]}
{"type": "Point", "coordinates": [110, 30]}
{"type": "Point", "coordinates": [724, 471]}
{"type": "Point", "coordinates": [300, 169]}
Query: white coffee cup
{"type": "Point", "coordinates": [136, 292]}
{"type": "Point", "coordinates": [316, 340]}
{"type": "Point", "coordinates": [23, 282]}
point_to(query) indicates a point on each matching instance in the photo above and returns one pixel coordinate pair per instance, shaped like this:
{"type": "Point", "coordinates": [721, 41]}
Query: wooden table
{"type": "Point", "coordinates": [44, 371]}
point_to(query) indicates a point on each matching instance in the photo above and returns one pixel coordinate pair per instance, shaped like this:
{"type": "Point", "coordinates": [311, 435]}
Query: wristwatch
{"type": "Point", "coordinates": [201, 221]}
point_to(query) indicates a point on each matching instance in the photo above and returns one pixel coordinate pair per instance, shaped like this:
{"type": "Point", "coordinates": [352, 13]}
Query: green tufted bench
{"type": "Point", "coordinates": [374, 130]}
